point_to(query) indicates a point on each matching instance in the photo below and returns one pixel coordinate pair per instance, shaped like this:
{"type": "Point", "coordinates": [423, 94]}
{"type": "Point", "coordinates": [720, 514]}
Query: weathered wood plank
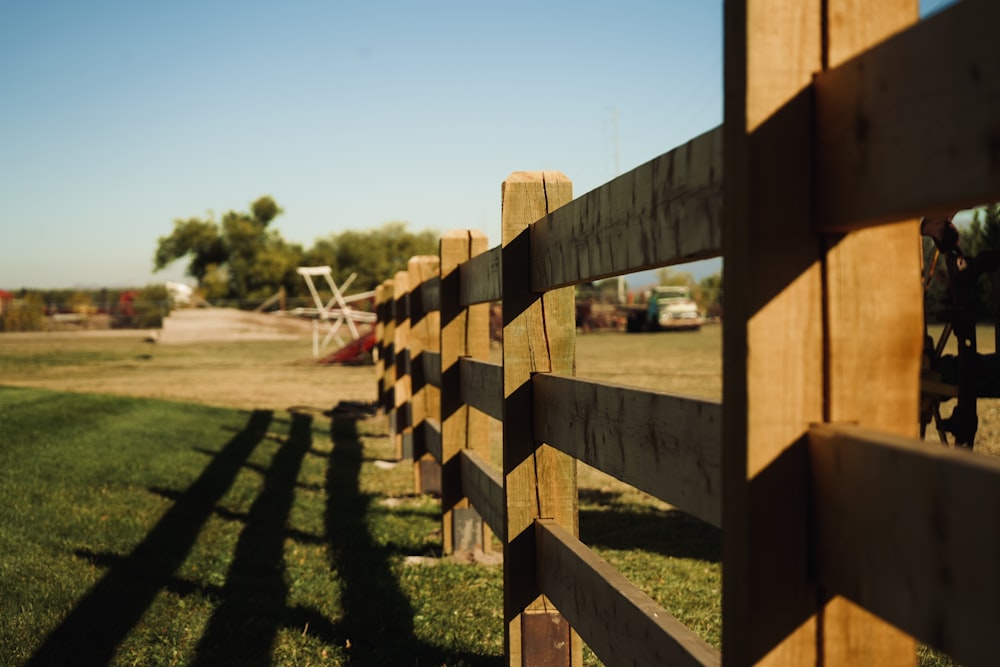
{"type": "Point", "coordinates": [668, 446]}
{"type": "Point", "coordinates": [909, 530]}
{"type": "Point", "coordinates": [432, 438]}
{"type": "Point", "coordinates": [464, 333]}
{"type": "Point", "coordinates": [773, 337]}
{"type": "Point", "coordinates": [401, 347]}
{"type": "Point", "coordinates": [909, 128]}
{"type": "Point", "coordinates": [480, 278]}
{"type": "Point", "coordinates": [483, 485]}
{"type": "Point", "coordinates": [871, 377]}
{"type": "Point", "coordinates": [620, 623]}
{"type": "Point", "coordinates": [425, 334]}
{"type": "Point", "coordinates": [666, 211]}
{"type": "Point", "coordinates": [430, 294]}
{"type": "Point", "coordinates": [431, 367]}
{"type": "Point", "coordinates": [539, 335]}
{"type": "Point", "coordinates": [482, 386]}
{"type": "Point", "coordinates": [387, 352]}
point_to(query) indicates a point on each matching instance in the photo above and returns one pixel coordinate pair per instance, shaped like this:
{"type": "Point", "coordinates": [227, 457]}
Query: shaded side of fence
{"type": "Point", "coordinates": [844, 538]}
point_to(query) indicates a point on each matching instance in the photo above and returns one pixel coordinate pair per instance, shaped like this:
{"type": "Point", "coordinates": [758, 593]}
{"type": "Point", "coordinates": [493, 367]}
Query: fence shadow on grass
{"type": "Point", "coordinates": [378, 617]}
{"type": "Point", "coordinates": [92, 631]}
{"type": "Point", "coordinates": [253, 605]}
{"type": "Point", "coordinates": [671, 533]}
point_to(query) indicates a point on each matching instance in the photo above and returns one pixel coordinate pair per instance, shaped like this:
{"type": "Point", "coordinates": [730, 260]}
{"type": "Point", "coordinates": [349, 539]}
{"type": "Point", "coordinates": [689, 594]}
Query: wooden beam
{"type": "Point", "coordinates": [772, 340]}
{"type": "Point", "coordinates": [908, 530]}
{"type": "Point", "coordinates": [425, 334]}
{"type": "Point", "coordinates": [432, 438]}
{"type": "Point", "coordinates": [380, 301]}
{"type": "Point", "coordinates": [480, 278]}
{"type": "Point", "coordinates": [401, 346]}
{"type": "Point", "coordinates": [620, 623]}
{"type": "Point", "coordinates": [464, 334]}
{"type": "Point", "coordinates": [909, 128]}
{"type": "Point", "coordinates": [666, 211]}
{"type": "Point", "coordinates": [481, 386]}
{"type": "Point", "coordinates": [873, 342]}
{"type": "Point", "coordinates": [387, 352]}
{"type": "Point", "coordinates": [483, 485]}
{"type": "Point", "coordinates": [539, 336]}
{"type": "Point", "coordinates": [431, 367]}
{"type": "Point", "coordinates": [668, 446]}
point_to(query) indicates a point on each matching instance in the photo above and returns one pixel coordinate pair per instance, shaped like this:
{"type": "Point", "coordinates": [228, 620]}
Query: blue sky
{"type": "Point", "coordinates": [117, 117]}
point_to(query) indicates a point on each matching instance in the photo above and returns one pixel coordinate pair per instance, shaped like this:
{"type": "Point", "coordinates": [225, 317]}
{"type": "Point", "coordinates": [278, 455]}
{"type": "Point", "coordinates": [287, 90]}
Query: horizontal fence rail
{"type": "Point", "coordinates": [841, 544]}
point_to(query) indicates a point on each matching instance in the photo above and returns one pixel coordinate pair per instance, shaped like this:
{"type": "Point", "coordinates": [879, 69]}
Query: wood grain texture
{"type": "Point", "coordinates": [666, 211]}
{"type": "Point", "coordinates": [483, 485]}
{"type": "Point", "coordinates": [482, 386]}
{"type": "Point", "coordinates": [620, 623]}
{"type": "Point", "coordinates": [667, 446]}
{"type": "Point", "coordinates": [432, 367]}
{"type": "Point", "coordinates": [773, 338]}
{"type": "Point", "coordinates": [912, 126]}
{"type": "Point", "coordinates": [432, 438]}
{"type": "Point", "coordinates": [425, 334]}
{"type": "Point", "coordinates": [874, 335]}
{"type": "Point", "coordinates": [401, 342]}
{"type": "Point", "coordinates": [909, 530]}
{"type": "Point", "coordinates": [539, 336]}
{"type": "Point", "coordinates": [380, 357]}
{"type": "Point", "coordinates": [480, 278]}
{"type": "Point", "coordinates": [387, 350]}
{"type": "Point", "coordinates": [464, 334]}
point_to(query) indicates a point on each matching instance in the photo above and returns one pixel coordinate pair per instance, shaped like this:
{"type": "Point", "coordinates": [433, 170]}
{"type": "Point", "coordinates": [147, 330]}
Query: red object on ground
{"type": "Point", "coordinates": [354, 352]}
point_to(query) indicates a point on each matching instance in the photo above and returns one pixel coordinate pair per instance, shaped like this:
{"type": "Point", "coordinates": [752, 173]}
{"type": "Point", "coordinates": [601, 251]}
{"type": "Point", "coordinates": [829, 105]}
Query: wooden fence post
{"type": "Point", "coordinates": [425, 336]}
{"type": "Point", "coordinates": [387, 353]}
{"type": "Point", "coordinates": [777, 377]}
{"type": "Point", "coordinates": [464, 333]}
{"type": "Point", "coordinates": [539, 482]}
{"type": "Point", "coordinates": [874, 343]}
{"type": "Point", "coordinates": [403, 433]}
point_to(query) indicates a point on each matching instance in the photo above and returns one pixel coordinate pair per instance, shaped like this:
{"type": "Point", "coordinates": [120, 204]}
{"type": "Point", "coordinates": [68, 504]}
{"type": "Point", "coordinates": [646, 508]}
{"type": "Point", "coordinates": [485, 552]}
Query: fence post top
{"type": "Point", "coordinates": [535, 176]}
{"type": "Point", "coordinates": [463, 234]}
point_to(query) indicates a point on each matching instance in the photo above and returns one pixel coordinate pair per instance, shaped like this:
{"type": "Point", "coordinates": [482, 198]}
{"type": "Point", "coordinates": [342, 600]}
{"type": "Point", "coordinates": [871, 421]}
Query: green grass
{"type": "Point", "coordinates": [141, 531]}
{"type": "Point", "coordinates": [138, 531]}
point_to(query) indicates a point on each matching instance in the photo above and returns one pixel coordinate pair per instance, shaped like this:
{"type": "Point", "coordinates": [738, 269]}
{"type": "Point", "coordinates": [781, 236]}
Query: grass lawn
{"type": "Point", "coordinates": [138, 531]}
{"type": "Point", "coordinates": [190, 517]}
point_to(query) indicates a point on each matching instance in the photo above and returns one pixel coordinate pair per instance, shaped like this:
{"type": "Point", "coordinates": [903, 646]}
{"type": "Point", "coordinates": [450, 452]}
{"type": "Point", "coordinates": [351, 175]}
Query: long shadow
{"type": "Point", "coordinates": [96, 626]}
{"type": "Point", "coordinates": [254, 597]}
{"type": "Point", "coordinates": [377, 624]}
{"type": "Point", "coordinates": [672, 533]}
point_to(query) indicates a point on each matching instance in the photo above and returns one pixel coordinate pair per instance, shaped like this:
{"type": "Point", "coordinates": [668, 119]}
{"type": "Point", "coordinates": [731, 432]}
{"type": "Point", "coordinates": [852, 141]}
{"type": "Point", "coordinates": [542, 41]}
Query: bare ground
{"type": "Point", "coordinates": [247, 374]}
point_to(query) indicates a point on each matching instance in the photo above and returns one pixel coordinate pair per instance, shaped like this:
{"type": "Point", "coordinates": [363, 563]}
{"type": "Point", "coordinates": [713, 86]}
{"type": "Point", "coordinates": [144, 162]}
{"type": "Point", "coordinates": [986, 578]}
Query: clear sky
{"type": "Point", "coordinates": [118, 117]}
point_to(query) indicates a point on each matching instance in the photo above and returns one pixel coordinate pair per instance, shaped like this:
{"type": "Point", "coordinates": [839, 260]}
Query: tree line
{"type": "Point", "coordinates": [243, 258]}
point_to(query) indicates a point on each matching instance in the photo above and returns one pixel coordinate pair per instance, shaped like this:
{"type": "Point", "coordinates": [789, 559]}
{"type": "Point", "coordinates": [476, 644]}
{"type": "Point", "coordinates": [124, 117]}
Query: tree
{"type": "Point", "coordinates": [374, 255]}
{"type": "Point", "coordinates": [710, 295]}
{"type": "Point", "coordinates": [25, 314]}
{"type": "Point", "coordinates": [239, 258]}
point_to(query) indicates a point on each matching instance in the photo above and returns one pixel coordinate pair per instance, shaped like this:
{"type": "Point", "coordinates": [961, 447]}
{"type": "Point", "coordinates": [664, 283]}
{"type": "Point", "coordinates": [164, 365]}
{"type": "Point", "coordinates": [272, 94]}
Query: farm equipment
{"type": "Point", "coordinates": [669, 308]}
{"type": "Point", "coordinates": [968, 375]}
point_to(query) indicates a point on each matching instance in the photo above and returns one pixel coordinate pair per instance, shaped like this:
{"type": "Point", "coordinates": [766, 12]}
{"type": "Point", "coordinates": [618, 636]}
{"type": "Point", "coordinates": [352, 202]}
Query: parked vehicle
{"type": "Point", "coordinates": [669, 308]}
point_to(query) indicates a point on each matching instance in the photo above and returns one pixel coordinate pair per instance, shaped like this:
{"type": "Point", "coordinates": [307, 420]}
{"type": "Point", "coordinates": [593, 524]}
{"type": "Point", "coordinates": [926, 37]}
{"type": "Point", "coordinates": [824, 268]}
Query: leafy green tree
{"type": "Point", "coordinates": [710, 294]}
{"type": "Point", "coordinates": [152, 304]}
{"type": "Point", "coordinates": [237, 258]}
{"type": "Point", "coordinates": [670, 276]}
{"type": "Point", "coordinates": [374, 255]}
{"type": "Point", "coordinates": [25, 314]}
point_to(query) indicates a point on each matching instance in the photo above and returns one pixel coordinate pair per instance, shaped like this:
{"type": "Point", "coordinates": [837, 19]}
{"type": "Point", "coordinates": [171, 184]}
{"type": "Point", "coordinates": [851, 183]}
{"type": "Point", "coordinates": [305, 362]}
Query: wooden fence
{"type": "Point", "coordinates": [844, 537]}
